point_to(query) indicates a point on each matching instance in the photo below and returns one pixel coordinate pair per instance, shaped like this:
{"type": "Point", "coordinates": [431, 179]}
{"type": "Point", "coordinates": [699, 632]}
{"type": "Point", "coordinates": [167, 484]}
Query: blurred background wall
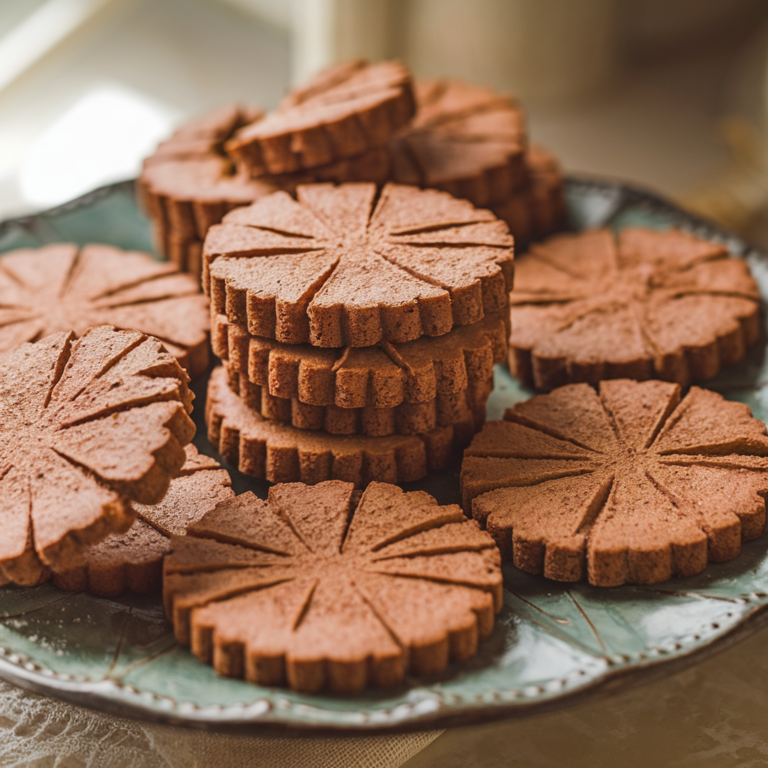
{"type": "Point", "coordinates": [666, 93]}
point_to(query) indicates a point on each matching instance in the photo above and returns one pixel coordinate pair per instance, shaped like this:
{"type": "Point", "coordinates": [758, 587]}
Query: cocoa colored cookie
{"type": "Point", "coordinates": [538, 209]}
{"type": "Point", "coordinates": [648, 304]}
{"type": "Point", "coordinates": [332, 270]}
{"type": "Point", "coordinates": [185, 253]}
{"type": "Point", "coordinates": [189, 183]}
{"type": "Point", "coordinates": [86, 426]}
{"type": "Point", "coordinates": [623, 485]}
{"type": "Point", "coordinates": [62, 287]}
{"type": "Point", "coordinates": [453, 409]}
{"type": "Point", "coordinates": [319, 590]}
{"type": "Point", "coordinates": [281, 454]}
{"type": "Point", "coordinates": [134, 560]}
{"type": "Point", "coordinates": [205, 134]}
{"type": "Point", "coordinates": [465, 139]}
{"type": "Point", "coordinates": [344, 111]}
{"type": "Point", "coordinates": [383, 376]}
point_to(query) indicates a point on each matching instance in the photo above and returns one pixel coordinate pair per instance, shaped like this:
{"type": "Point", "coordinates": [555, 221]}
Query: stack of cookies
{"type": "Point", "coordinates": [354, 122]}
{"type": "Point", "coordinates": [358, 330]}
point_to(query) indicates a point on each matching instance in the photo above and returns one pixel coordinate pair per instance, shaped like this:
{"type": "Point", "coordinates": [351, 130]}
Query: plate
{"type": "Point", "coordinates": [553, 643]}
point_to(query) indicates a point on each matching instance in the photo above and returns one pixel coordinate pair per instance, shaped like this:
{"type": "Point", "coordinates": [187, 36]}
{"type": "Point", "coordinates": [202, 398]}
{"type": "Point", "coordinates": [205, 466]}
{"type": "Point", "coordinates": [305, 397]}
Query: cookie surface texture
{"type": "Point", "coordinates": [346, 266]}
{"type": "Point", "coordinates": [648, 304]}
{"type": "Point", "coordinates": [87, 426]}
{"type": "Point", "coordinates": [134, 560]}
{"type": "Point", "coordinates": [62, 287]}
{"type": "Point", "coordinates": [383, 376]}
{"type": "Point", "coordinates": [344, 111]}
{"type": "Point", "coordinates": [282, 454]}
{"type": "Point", "coordinates": [627, 484]}
{"type": "Point", "coordinates": [316, 590]}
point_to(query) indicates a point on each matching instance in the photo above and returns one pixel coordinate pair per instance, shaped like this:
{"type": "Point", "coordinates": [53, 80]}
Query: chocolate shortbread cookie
{"type": "Point", "coordinates": [86, 426]}
{"type": "Point", "coordinates": [189, 183]}
{"type": "Point", "coordinates": [319, 589]}
{"type": "Point", "coordinates": [646, 304]}
{"type": "Point", "coordinates": [134, 560]}
{"type": "Point", "coordinates": [185, 253]}
{"type": "Point", "coordinates": [344, 111]}
{"type": "Point", "coordinates": [623, 485]}
{"type": "Point", "coordinates": [466, 140]}
{"type": "Point", "coordinates": [331, 270]}
{"type": "Point", "coordinates": [62, 287]}
{"type": "Point", "coordinates": [538, 209]}
{"type": "Point", "coordinates": [450, 410]}
{"type": "Point", "coordinates": [283, 454]}
{"type": "Point", "coordinates": [383, 376]}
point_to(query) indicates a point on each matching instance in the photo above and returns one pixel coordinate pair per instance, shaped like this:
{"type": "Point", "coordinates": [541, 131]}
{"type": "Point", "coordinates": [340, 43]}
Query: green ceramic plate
{"type": "Point", "coordinates": [553, 643]}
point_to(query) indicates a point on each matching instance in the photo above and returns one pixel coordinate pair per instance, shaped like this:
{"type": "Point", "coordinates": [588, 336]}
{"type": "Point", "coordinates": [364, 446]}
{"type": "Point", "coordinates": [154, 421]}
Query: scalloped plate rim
{"type": "Point", "coordinates": [126, 701]}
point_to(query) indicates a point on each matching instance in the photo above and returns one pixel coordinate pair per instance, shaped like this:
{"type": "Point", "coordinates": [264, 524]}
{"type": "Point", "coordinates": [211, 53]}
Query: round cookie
{"type": "Point", "coordinates": [134, 560]}
{"type": "Point", "coordinates": [464, 139]}
{"type": "Point", "coordinates": [641, 305]}
{"type": "Point", "coordinates": [62, 287]}
{"type": "Point", "coordinates": [627, 484]}
{"type": "Point", "coordinates": [348, 266]}
{"type": "Point", "coordinates": [87, 426]}
{"type": "Point", "coordinates": [342, 112]}
{"type": "Point", "coordinates": [538, 209]}
{"type": "Point", "coordinates": [283, 454]}
{"type": "Point", "coordinates": [453, 409]}
{"type": "Point", "coordinates": [189, 183]}
{"type": "Point", "coordinates": [318, 588]}
{"type": "Point", "coordinates": [383, 376]}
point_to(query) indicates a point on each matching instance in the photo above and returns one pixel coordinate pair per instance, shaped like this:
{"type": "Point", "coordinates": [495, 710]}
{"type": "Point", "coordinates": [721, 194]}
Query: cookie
{"type": "Point", "coordinates": [190, 194]}
{"type": "Point", "coordinates": [464, 139]}
{"type": "Point", "coordinates": [627, 484]}
{"type": "Point", "coordinates": [62, 287]}
{"type": "Point", "coordinates": [189, 182]}
{"type": "Point", "coordinates": [344, 111]}
{"type": "Point", "coordinates": [538, 209]}
{"type": "Point", "coordinates": [641, 305]}
{"type": "Point", "coordinates": [281, 454]}
{"type": "Point", "coordinates": [383, 376]}
{"type": "Point", "coordinates": [332, 270]}
{"type": "Point", "coordinates": [134, 560]}
{"type": "Point", "coordinates": [184, 253]}
{"type": "Point", "coordinates": [317, 590]}
{"type": "Point", "coordinates": [547, 192]}
{"type": "Point", "coordinates": [87, 426]}
{"type": "Point", "coordinates": [453, 409]}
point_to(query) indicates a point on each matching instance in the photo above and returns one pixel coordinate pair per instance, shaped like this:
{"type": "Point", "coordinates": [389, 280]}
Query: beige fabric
{"type": "Point", "coordinates": [40, 732]}
{"type": "Point", "coordinates": [713, 715]}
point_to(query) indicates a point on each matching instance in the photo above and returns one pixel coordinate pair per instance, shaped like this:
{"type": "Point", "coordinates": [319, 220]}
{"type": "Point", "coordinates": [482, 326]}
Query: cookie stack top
{"type": "Point", "coordinates": [367, 320]}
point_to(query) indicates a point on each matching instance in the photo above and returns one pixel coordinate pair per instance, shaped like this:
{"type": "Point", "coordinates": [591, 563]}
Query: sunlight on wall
{"type": "Point", "coordinates": [102, 138]}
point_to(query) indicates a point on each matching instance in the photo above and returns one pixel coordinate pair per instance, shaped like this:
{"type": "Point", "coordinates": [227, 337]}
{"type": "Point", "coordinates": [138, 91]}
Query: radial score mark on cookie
{"type": "Point", "coordinates": [625, 485]}
{"type": "Point", "coordinates": [348, 594]}
{"type": "Point", "coordinates": [328, 269]}
{"type": "Point", "coordinates": [61, 287]}
{"type": "Point", "coordinates": [86, 426]}
{"type": "Point", "coordinates": [654, 304]}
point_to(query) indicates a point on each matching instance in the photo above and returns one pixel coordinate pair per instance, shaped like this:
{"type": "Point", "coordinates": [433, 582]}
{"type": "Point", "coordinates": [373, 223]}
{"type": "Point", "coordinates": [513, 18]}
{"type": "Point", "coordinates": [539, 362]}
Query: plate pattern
{"type": "Point", "coordinates": [553, 643]}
